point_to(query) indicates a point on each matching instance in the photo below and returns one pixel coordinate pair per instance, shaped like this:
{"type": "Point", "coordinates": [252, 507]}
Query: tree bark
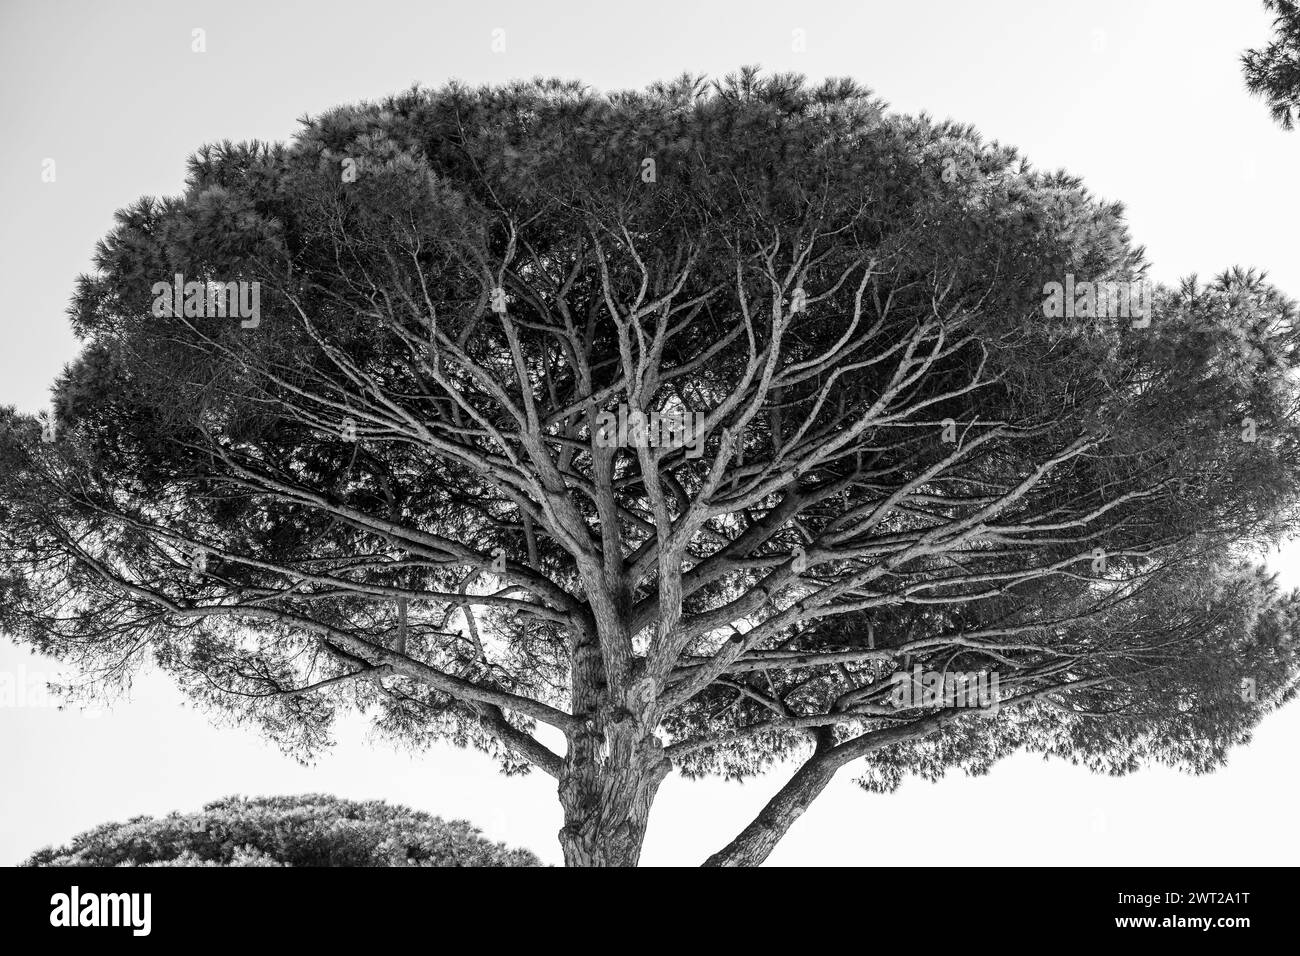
{"type": "Point", "coordinates": [754, 843]}
{"type": "Point", "coordinates": [613, 767]}
{"type": "Point", "coordinates": [607, 785]}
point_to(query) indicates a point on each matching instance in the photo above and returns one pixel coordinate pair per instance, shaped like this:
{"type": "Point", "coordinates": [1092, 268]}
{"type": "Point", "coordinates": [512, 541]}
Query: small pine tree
{"type": "Point", "coordinates": [308, 830]}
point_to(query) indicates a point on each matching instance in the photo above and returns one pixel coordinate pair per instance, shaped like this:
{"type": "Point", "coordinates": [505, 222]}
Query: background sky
{"type": "Point", "coordinates": [1141, 98]}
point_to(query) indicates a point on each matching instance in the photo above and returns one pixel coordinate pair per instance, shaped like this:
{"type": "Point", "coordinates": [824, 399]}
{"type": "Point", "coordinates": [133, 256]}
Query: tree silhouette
{"type": "Point", "coordinates": [854, 452]}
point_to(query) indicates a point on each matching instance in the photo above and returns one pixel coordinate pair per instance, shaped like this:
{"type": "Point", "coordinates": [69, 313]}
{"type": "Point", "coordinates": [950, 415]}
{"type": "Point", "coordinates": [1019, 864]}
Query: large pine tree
{"type": "Point", "coordinates": [417, 483]}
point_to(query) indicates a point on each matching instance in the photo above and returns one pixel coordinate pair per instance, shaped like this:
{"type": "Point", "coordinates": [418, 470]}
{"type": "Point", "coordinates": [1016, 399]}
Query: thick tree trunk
{"type": "Point", "coordinates": [606, 789]}
{"type": "Point", "coordinates": [615, 763]}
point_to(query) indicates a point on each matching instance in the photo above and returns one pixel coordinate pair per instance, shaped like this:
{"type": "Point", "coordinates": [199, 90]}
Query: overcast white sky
{"type": "Point", "coordinates": [1142, 98]}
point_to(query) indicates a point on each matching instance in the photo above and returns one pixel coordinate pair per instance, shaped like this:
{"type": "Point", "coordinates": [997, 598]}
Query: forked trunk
{"type": "Point", "coordinates": [606, 791]}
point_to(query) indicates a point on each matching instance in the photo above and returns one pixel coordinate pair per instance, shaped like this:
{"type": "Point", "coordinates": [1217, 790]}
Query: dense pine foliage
{"type": "Point", "coordinates": [308, 830]}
